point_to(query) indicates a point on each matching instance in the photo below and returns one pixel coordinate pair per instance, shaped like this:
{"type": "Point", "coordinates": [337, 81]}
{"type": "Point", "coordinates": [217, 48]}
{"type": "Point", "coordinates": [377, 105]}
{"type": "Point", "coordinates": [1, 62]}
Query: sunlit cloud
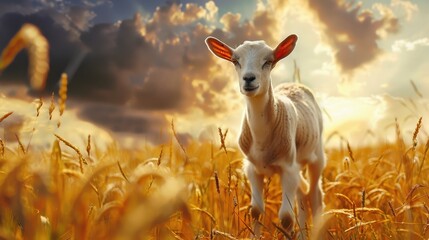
{"type": "Point", "coordinates": [37, 132]}
{"type": "Point", "coordinates": [212, 10]}
{"type": "Point", "coordinates": [327, 69]}
{"type": "Point", "coordinates": [367, 120]}
{"type": "Point", "coordinates": [409, 8]}
{"type": "Point", "coordinates": [405, 45]}
{"type": "Point", "coordinates": [352, 32]}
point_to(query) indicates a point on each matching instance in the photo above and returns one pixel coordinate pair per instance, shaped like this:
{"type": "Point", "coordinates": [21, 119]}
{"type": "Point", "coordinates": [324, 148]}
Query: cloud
{"type": "Point", "coordinates": [38, 132]}
{"type": "Point", "coordinates": [405, 45]}
{"type": "Point", "coordinates": [22, 6]}
{"type": "Point", "coordinates": [263, 26]}
{"type": "Point", "coordinates": [372, 119]}
{"type": "Point", "coordinates": [80, 17]}
{"type": "Point", "coordinates": [162, 63]}
{"type": "Point", "coordinates": [353, 32]}
{"type": "Point", "coordinates": [212, 10]}
{"type": "Point", "coordinates": [95, 3]}
{"type": "Point", "coordinates": [156, 64]}
{"type": "Point", "coordinates": [125, 121]}
{"type": "Point", "coordinates": [407, 7]}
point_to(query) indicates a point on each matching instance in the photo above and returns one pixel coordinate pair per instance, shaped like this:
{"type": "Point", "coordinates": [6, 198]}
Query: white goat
{"type": "Point", "coordinates": [281, 130]}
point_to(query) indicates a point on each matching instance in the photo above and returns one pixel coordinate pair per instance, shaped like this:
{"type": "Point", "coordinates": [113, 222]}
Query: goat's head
{"type": "Point", "coordinates": [253, 61]}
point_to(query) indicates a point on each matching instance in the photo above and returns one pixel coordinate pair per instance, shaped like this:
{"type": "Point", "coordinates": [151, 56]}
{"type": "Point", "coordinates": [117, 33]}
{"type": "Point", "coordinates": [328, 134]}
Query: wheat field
{"type": "Point", "coordinates": [197, 191]}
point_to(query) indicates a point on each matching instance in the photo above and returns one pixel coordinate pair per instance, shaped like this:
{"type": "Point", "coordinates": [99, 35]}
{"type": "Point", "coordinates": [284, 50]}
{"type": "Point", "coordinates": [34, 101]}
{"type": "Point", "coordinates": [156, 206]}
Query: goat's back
{"type": "Point", "coordinates": [309, 117]}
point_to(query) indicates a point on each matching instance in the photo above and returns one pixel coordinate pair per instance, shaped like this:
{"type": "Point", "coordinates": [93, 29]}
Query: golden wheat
{"type": "Point", "coordinates": [31, 38]}
{"type": "Point", "coordinates": [52, 106]}
{"type": "Point", "coordinates": [5, 116]}
{"type": "Point", "coordinates": [1, 149]}
{"type": "Point", "coordinates": [62, 92]}
{"type": "Point", "coordinates": [81, 158]}
{"type": "Point", "coordinates": [39, 106]}
{"type": "Point", "coordinates": [199, 191]}
{"type": "Point", "coordinates": [88, 147]}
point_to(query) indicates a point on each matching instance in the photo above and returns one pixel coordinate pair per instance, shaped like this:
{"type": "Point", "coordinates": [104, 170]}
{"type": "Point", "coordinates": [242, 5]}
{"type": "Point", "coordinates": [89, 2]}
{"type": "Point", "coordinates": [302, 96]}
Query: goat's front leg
{"type": "Point", "coordinates": [256, 186]}
{"type": "Point", "coordinates": [290, 180]}
{"type": "Point", "coordinates": [257, 201]}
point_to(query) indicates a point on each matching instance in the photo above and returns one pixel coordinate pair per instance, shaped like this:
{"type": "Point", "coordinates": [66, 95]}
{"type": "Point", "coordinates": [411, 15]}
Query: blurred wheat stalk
{"type": "Point", "coordinates": [30, 38]}
{"type": "Point", "coordinates": [57, 201]}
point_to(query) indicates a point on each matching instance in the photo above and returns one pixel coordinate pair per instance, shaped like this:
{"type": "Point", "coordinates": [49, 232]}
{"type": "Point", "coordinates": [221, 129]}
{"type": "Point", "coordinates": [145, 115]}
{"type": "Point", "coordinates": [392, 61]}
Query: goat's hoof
{"type": "Point", "coordinates": [287, 222]}
{"type": "Point", "coordinates": [255, 213]}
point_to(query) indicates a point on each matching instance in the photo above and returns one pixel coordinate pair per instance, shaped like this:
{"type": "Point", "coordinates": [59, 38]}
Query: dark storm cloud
{"type": "Point", "coordinates": [21, 6]}
{"type": "Point", "coordinates": [352, 32]}
{"type": "Point", "coordinates": [122, 120]}
{"type": "Point", "coordinates": [80, 17]}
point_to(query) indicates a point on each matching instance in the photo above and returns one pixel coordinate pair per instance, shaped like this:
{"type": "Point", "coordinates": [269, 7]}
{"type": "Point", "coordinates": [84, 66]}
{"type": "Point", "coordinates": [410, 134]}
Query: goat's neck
{"type": "Point", "coordinates": [261, 114]}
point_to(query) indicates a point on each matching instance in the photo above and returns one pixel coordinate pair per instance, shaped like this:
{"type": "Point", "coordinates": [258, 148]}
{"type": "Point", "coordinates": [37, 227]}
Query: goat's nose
{"type": "Point", "coordinates": [249, 77]}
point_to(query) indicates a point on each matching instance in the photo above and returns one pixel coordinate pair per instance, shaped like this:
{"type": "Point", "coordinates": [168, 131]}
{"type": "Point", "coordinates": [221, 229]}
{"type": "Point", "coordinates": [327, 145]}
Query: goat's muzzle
{"type": "Point", "coordinates": [249, 82]}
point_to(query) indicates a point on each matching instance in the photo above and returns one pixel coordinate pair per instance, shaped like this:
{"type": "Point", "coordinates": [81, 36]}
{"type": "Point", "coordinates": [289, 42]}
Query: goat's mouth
{"type": "Point", "coordinates": [250, 88]}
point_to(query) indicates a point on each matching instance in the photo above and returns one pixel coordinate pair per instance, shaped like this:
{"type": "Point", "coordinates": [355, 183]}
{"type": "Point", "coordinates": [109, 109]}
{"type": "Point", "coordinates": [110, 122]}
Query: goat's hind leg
{"type": "Point", "coordinates": [315, 195]}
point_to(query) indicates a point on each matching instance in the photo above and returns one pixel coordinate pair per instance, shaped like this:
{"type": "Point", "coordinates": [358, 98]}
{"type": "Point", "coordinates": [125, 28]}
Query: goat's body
{"type": "Point", "coordinates": [284, 137]}
{"type": "Point", "coordinates": [294, 123]}
{"type": "Point", "coordinates": [309, 124]}
{"type": "Point", "coordinates": [281, 130]}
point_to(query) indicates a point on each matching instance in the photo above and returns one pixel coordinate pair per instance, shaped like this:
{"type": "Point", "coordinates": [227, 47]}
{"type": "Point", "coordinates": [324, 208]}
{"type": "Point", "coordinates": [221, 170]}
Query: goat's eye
{"type": "Point", "coordinates": [267, 64]}
{"type": "Point", "coordinates": [236, 63]}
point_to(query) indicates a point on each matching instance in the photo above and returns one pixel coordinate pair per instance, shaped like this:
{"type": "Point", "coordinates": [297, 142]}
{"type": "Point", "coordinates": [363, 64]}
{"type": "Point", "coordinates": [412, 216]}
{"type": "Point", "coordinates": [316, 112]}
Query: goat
{"type": "Point", "coordinates": [281, 130]}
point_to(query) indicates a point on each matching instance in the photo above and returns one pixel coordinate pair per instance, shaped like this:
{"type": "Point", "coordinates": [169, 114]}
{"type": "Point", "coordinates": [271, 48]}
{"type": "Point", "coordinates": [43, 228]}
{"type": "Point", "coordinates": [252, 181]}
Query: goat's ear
{"type": "Point", "coordinates": [284, 48]}
{"type": "Point", "coordinates": [219, 48]}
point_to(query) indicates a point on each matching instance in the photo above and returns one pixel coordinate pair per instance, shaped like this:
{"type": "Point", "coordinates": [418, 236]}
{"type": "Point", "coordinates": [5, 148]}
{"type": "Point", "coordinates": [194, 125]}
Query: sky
{"type": "Point", "coordinates": [136, 65]}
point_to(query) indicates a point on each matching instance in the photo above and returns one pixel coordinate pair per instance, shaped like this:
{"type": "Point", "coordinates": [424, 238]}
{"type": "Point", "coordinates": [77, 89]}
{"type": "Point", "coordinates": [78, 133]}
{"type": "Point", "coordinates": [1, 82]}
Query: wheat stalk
{"type": "Point", "coordinates": [416, 132]}
{"type": "Point", "coordinates": [340, 195]}
{"type": "Point", "coordinates": [217, 182]}
{"type": "Point", "coordinates": [31, 38]}
{"type": "Point", "coordinates": [350, 151]}
{"type": "Point", "coordinates": [70, 145]}
{"type": "Point", "coordinates": [21, 146]}
{"type": "Point", "coordinates": [222, 139]}
{"type": "Point", "coordinates": [177, 139]}
{"type": "Point", "coordinates": [212, 218]}
{"type": "Point", "coordinates": [122, 172]}
{"type": "Point", "coordinates": [160, 156]}
{"type": "Point", "coordinates": [88, 147]}
{"type": "Point", "coordinates": [223, 234]}
{"type": "Point", "coordinates": [391, 208]}
{"type": "Point", "coordinates": [1, 149]}
{"type": "Point", "coordinates": [62, 92]}
{"type": "Point", "coordinates": [5, 116]}
{"type": "Point", "coordinates": [416, 89]}
{"type": "Point", "coordinates": [51, 106]}
{"type": "Point", "coordinates": [39, 106]}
